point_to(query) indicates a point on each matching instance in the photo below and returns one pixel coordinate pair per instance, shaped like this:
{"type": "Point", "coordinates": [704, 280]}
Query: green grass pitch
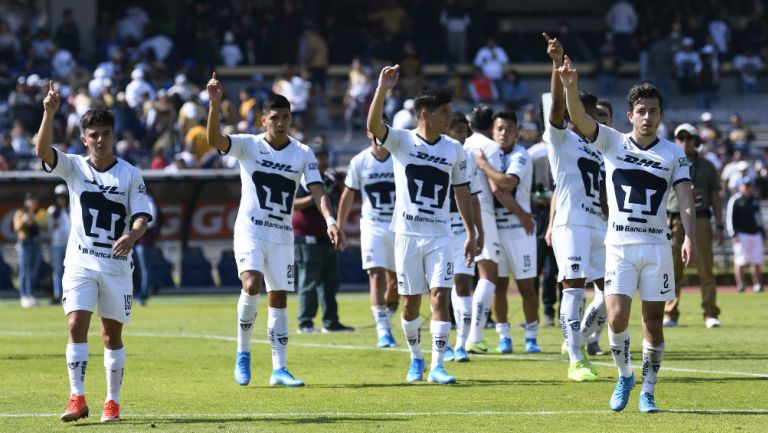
{"type": "Point", "coordinates": [181, 356]}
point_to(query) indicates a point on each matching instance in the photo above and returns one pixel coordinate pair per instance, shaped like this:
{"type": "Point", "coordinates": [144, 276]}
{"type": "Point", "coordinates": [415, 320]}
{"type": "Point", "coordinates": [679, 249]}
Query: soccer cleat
{"type": "Point", "coordinates": [283, 377]}
{"type": "Point", "coordinates": [438, 375]}
{"type": "Point", "coordinates": [449, 355]}
{"type": "Point", "coordinates": [531, 346]}
{"type": "Point", "coordinates": [416, 371]}
{"type": "Point", "coordinates": [111, 412]}
{"type": "Point", "coordinates": [712, 322]}
{"type": "Point", "coordinates": [620, 395]}
{"type": "Point", "coordinates": [460, 355]}
{"type": "Point", "coordinates": [386, 340]}
{"type": "Point", "coordinates": [76, 408]}
{"type": "Point", "coordinates": [648, 404]}
{"type": "Point", "coordinates": [243, 368]}
{"type": "Point", "coordinates": [593, 349]}
{"type": "Point", "coordinates": [580, 372]}
{"type": "Point", "coordinates": [669, 323]}
{"type": "Point", "coordinates": [740, 289]}
{"type": "Point", "coordinates": [505, 345]}
{"type": "Point", "coordinates": [757, 288]}
{"type": "Point", "coordinates": [337, 327]}
{"type": "Point", "coordinates": [306, 330]}
{"type": "Point", "coordinates": [480, 347]}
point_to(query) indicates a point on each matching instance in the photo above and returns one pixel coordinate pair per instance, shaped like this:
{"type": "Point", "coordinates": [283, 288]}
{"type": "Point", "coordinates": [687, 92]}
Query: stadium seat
{"type": "Point", "coordinates": [227, 267]}
{"type": "Point", "coordinates": [195, 269]}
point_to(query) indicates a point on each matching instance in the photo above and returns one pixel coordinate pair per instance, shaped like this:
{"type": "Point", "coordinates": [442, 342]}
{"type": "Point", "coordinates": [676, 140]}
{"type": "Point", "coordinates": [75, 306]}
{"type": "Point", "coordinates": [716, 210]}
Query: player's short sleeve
{"type": "Point", "coordinates": [608, 139]}
{"type": "Point", "coordinates": [311, 172]}
{"type": "Point", "coordinates": [138, 200]}
{"type": "Point", "coordinates": [554, 134]}
{"type": "Point", "coordinates": [238, 143]}
{"type": "Point", "coordinates": [680, 169]}
{"type": "Point", "coordinates": [352, 181]}
{"type": "Point", "coordinates": [392, 138]}
{"type": "Point", "coordinates": [494, 158]}
{"type": "Point", "coordinates": [460, 173]}
{"type": "Point", "coordinates": [517, 163]}
{"type": "Point", "coordinates": [63, 164]}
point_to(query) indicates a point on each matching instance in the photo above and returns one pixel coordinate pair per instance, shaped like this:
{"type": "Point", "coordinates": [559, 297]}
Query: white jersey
{"type": "Point", "coordinates": [457, 225]}
{"type": "Point", "coordinates": [103, 205]}
{"type": "Point", "coordinates": [269, 179]}
{"type": "Point", "coordinates": [375, 180]}
{"type": "Point", "coordinates": [579, 173]}
{"type": "Point", "coordinates": [638, 182]}
{"type": "Point", "coordinates": [424, 172]}
{"type": "Point", "coordinates": [492, 151]}
{"type": "Point", "coordinates": [517, 163]}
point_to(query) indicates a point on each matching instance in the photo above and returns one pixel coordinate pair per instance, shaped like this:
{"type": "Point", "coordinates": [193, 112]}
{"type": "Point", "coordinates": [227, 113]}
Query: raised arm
{"type": "Point", "coordinates": [215, 138]}
{"type": "Point", "coordinates": [320, 198]}
{"type": "Point", "coordinates": [387, 80]}
{"type": "Point", "coordinates": [579, 117]}
{"type": "Point", "coordinates": [43, 148]}
{"type": "Point", "coordinates": [557, 110]}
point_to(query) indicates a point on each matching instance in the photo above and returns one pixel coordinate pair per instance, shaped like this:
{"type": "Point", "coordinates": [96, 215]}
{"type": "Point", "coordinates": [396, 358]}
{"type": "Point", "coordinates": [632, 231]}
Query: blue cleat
{"type": "Point", "coordinates": [460, 355]}
{"type": "Point", "coordinates": [620, 395]}
{"type": "Point", "coordinates": [416, 371]}
{"type": "Point", "coordinates": [283, 377]}
{"type": "Point", "coordinates": [531, 346]}
{"type": "Point", "coordinates": [386, 340]}
{"type": "Point", "coordinates": [505, 345]}
{"type": "Point", "coordinates": [648, 404]}
{"type": "Point", "coordinates": [449, 355]}
{"type": "Point", "coordinates": [243, 368]}
{"type": "Point", "coordinates": [438, 375]}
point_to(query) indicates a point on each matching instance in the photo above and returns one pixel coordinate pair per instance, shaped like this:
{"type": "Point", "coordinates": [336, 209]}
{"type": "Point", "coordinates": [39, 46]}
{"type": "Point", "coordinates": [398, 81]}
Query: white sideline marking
{"type": "Point", "coordinates": [370, 348]}
{"type": "Point", "coordinates": [392, 414]}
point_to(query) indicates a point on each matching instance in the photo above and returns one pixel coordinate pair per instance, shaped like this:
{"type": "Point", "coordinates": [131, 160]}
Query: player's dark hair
{"type": "Point", "coordinates": [430, 100]}
{"type": "Point", "coordinates": [481, 118]}
{"type": "Point", "coordinates": [457, 118]}
{"type": "Point", "coordinates": [97, 117]}
{"type": "Point", "coordinates": [506, 115]}
{"type": "Point", "coordinates": [605, 103]}
{"type": "Point", "coordinates": [588, 100]}
{"type": "Point", "coordinates": [275, 101]}
{"type": "Point", "coordinates": [644, 91]}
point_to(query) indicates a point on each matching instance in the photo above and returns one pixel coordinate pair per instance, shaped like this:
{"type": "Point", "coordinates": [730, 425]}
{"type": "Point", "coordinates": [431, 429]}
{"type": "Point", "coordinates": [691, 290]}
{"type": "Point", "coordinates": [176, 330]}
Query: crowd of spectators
{"type": "Point", "coordinates": [151, 61]}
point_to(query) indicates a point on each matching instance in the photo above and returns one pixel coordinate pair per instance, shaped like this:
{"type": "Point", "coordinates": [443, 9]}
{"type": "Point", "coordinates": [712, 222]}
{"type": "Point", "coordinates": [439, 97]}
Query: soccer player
{"type": "Point", "coordinates": [110, 212]}
{"type": "Point", "coordinates": [426, 164]}
{"type": "Point", "coordinates": [461, 294]}
{"type": "Point", "coordinates": [640, 170]}
{"type": "Point", "coordinates": [578, 226]}
{"type": "Point", "coordinates": [271, 167]}
{"type": "Point", "coordinates": [370, 173]}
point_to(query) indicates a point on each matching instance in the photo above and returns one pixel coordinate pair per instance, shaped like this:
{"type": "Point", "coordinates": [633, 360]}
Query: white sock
{"type": "Point", "coordinates": [652, 356]}
{"type": "Point", "coordinates": [381, 319]}
{"type": "Point", "coordinates": [463, 320]}
{"type": "Point", "coordinates": [481, 305]}
{"type": "Point", "coordinates": [439, 331]}
{"type": "Point", "coordinates": [620, 351]}
{"type": "Point", "coordinates": [570, 323]}
{"type": "Point", "coordinates": [594, 318]}
{"type": "Point", "coordinates": [246, 315]}
{"type": "Point", "coordinates": [114, 366]}
{"type": "Point", "coordinates": [532, 330]}
{"type": "Point", "coordinates": [412, 331]}
{"type": "Point", "coordinates": [77, 363]}
{"type": "Point", "coordinates": [503, 330]}
{"type": "Point", "coordinates": [277, 330]}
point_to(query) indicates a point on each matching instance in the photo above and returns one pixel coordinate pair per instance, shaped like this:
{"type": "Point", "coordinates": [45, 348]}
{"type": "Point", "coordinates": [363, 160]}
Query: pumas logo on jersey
{"type": "Point", "coordinates": [430, 158]}
{"type": "Point", "coordinates": [103, 219]}
{"type": "Point", "coordinates": [278, 166]}
{"type": "Point", "coordinates": [427, 187]}
{"type": "Point", "coordinates": [643, 162]}
{"type": "Point", "coordinates": [275, 192]}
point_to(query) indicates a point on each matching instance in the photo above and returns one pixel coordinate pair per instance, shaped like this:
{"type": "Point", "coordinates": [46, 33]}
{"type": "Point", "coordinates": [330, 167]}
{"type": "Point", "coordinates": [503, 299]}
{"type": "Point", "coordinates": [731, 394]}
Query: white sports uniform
{"type": "Point", "coordinates": [518, 249]}
{"type": "Point", "coordinates": [460, 265]}
{"type": "Point", "coordinates": [375, 180]}
{"type": "Point", "coordinates": [578, 233]}
{"type": "Point", "coordinates": [104, 204]}
{"type": "Point", "coordinates": [263, 227]}
{"type": "Point", "coordinates": [424, 172]}
{"type": "Point", "coordinates": [480, 143]}
{"type": "Point", "coordinates": [638, 251]}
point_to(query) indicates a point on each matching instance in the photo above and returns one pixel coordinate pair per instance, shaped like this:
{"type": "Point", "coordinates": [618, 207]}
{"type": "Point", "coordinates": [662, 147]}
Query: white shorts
{"type": "Point", "coordinates": [84, 288]}
{"type": "Point", "coordinates": [491, 247]}
{"type": "Point", "coordinates": [378, 251]}
{"type": "Point", "coordinates": [518, 255]}
{"type": "Point", "coordinates": [647, 267]}
{"type": "Point", "coordinates": [423, 263]}
{"type": "Point", "coordinates": [460, 265]}
{"type": "Point", "coordinates": [273, 260]}
{"type": "Point", "coordinates": [579, 251]}
{"type": "Point", "coordinates": [749, 250]}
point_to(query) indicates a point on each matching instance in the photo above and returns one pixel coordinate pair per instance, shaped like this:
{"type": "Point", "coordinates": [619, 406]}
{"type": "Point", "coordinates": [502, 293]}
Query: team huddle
{"type": "Point", "coordinates": [439, 206]}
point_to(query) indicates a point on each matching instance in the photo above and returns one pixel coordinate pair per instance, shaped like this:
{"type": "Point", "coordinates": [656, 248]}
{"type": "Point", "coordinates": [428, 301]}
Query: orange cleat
{"type": "Point", "coordinates": [111, 412]}
{"type": "Point", "coordinates": [76, 409]}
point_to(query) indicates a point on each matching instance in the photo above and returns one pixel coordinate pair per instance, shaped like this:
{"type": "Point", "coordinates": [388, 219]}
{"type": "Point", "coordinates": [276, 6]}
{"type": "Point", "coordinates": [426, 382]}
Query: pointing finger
{"type": "Point", "coordinates": [546, 36]}
{"type": "Point", "coordinates": [50, 85]}
{"type": "Point", "coordinates": [213, 77]}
